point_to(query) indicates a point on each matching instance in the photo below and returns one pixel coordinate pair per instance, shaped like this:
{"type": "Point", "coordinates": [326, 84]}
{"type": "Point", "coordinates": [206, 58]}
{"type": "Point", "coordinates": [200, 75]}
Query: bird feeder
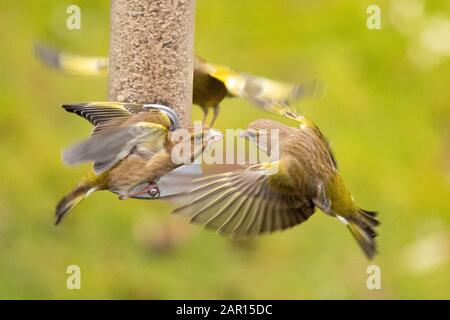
{"type": "Point", "coordinates": [151, 53]}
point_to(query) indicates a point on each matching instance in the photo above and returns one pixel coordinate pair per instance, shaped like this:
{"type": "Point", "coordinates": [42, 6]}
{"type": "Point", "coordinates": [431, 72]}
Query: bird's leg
{"type": "Point", "coordinates": [205, 114]}
{"type": "Point", "coordinates": [152, 189]}
{"type": "Point", "coordinates": [215, 115]}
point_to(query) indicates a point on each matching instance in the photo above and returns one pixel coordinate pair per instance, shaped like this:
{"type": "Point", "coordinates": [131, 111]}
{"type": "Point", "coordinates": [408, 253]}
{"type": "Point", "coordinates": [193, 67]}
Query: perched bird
{"type": "Point", "coordinates": [212, 83]}
{"type": "Point", "coordinates": [131, 149]}
{"type": "Point", "coordinates": [278, 194]}
{"type": "Point", "coordinates": [120, 127]}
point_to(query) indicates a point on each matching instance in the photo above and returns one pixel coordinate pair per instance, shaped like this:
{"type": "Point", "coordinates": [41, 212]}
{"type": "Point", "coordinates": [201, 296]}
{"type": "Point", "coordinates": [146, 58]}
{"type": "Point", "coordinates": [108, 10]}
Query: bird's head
{"type": "Point", "coordinates": [204, 137]}
{"type": "Point", "coordinates": [190, 143]}
{"type": "Point", "coordinates": [265, 133]}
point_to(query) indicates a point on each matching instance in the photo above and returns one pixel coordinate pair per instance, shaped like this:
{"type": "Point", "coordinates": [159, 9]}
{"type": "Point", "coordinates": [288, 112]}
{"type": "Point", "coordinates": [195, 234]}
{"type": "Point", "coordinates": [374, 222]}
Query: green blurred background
{"type": "Point", "coordinates": [386, 112]}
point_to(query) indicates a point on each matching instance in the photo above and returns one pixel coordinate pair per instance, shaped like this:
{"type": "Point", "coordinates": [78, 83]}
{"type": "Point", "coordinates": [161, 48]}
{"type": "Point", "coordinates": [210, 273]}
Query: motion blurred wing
{"type": "Point", "coordinates": [108, 147]}
{"type": "Point", "coordinates": [108, 115]}
{"type": "Point", "coordinates": [243, 203]}
{"type": "Point", "coordinates": [273, 96]}
{"type": "Point", "coordinates": [71, 63]}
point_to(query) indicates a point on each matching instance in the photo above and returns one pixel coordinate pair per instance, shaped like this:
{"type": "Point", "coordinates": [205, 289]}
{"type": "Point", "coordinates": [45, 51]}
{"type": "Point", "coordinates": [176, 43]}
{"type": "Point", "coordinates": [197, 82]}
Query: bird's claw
{"type": "Point", "coordinates": [152, 189]}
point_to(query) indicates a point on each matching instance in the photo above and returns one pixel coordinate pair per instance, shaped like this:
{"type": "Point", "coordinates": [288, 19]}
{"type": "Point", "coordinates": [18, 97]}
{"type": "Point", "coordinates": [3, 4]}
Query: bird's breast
{"type": "Point", "coordinates": [208, 91]}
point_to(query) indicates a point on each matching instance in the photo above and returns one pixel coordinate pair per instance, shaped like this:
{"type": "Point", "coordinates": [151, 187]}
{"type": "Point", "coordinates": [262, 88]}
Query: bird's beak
{"type": "Point", "coordinates": [213, 135]}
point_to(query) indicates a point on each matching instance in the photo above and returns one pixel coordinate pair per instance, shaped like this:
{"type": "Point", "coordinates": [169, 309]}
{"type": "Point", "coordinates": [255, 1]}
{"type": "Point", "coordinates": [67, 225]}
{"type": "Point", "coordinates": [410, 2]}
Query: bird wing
{"type": "Point", "coordinates": [243, 203]}
{"type": "Point", "coordinates": [273, 96]}
{"type": "Point", "coordinates": [71, 63]}
{"type": "Point", "coordinates": [108, 147]}
{"type": "Point", "coordinates": [98, 113]}
{"type": "Point", "coordinates": [107, 115]}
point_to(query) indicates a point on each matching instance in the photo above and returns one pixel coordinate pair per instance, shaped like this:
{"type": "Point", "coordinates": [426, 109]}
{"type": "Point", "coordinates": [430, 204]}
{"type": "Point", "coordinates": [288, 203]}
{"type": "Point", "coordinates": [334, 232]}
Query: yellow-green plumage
{"type": "Point", "coordinates": [208, 91]}
{"type": "Point", "coordinates": [211, 84]}
{"type": "Point", "coordinates": [130, 147]}
{"type": "Point", "coordinates": [340, 197]}
{"type": "Point", "coordinates": [112, 119]}
{"type": "Point", "coordinates": [256, 199]}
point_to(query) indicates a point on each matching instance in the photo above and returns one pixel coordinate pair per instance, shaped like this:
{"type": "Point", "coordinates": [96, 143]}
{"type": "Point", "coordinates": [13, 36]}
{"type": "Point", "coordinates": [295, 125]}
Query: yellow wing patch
{"type": "Point", "coordinates": [273, 96]}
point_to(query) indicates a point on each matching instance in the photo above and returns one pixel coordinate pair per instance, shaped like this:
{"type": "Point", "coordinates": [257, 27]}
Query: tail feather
{"type": "Point", "coordinates": [362, 227]}
{"type": "Point", "coordinates": [71, 200]}
{"type": "Point", "coordinates": [49, 56]}
{"type": "Point", "coordinates": [370, 215]}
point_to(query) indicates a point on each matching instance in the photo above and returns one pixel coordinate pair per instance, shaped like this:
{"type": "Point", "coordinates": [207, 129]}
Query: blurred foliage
{"type": "Point", "coordinates": [387, 117]}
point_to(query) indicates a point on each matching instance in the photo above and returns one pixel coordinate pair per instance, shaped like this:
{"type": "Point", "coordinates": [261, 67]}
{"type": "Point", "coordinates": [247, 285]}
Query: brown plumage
{"type": "Point", "coordinates": [120, 127]}
{"type": "Point", "coordinates": [279, 194]}
{"type": "Point", "coordinates": [128, 151]}
{"type": "Point", "coordinates": [137, 169]}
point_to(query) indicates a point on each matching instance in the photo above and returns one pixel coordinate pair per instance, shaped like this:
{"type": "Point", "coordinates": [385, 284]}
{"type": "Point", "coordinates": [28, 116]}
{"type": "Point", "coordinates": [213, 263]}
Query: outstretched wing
{"type": "Point", "coordinates": [101, 112]}
{"type": "Point", "coordinates": [108, 147]}
{"type": "Point", "coordinates": [273, 96]}
{"type": "Point", "coordinates": [71, 63]}
{"type": "Point", "coordinates": [106, 115]}
{"type": "Point", "coordinates": [244, 202]}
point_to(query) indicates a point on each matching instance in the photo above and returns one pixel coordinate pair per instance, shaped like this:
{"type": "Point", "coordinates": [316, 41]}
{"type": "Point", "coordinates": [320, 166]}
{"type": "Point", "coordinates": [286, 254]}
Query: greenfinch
{"type": "Point", "coordinates": [211, 84]}
{"type": "Point", "coordinates": [280, 193]}
{"type": "Point", "coordinates": [131, 149]}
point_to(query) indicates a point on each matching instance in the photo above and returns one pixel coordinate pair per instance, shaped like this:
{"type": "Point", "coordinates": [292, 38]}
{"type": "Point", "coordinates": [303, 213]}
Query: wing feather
{"type": "Point", "coordinates": [248, 218]}
{"type": "Point", "coordinates": [242, 203]}
{"type": "Point", "coordinates": [99, 112]}
{"type": "Point", "coordinates": [108, 147]}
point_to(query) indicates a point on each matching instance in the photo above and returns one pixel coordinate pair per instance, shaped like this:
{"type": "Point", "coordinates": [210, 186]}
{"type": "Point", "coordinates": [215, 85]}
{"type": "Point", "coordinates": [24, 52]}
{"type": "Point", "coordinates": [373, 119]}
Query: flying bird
{"type": "Point", "coordinates": [131, 149]}
{"type": "Point", "coordinates": [211, 85]}
{"type": "Point", "coordinates": [280, 193]}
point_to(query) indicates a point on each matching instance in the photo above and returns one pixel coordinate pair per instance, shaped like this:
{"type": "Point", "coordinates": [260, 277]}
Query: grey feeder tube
{"type": "Point", "coordinates": [151, 53]}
